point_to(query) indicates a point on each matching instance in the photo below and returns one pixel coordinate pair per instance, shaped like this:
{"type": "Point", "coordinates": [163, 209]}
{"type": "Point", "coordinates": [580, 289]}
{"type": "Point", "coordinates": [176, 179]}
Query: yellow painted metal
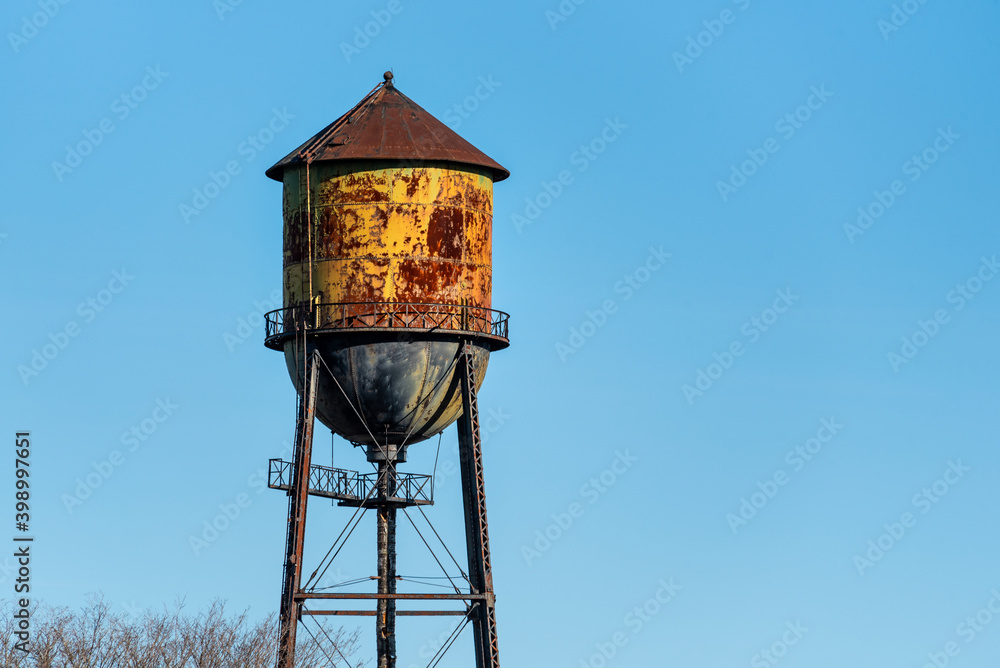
{"type": "Point", "coordinates": [383, 232]}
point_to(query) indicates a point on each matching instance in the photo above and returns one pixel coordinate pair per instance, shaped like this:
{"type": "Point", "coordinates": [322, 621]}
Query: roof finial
{"type": "Point", "coordinates": [388, 78]}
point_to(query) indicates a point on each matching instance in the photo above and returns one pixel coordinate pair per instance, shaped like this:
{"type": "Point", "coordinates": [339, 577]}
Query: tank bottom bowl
{"type": "Point", "coordinates": [401, 391]}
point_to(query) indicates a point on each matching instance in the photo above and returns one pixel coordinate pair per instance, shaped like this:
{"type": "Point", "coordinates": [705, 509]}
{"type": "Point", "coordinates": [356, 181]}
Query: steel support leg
{"type": "Point", "coordinates": [298, 497]}
{"type": "Point", "coordinates": [484, 623]}
{"type": "Point", "coordinates": [385, 616]}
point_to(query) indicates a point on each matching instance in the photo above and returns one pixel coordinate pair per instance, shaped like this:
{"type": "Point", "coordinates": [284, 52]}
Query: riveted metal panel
{"type": "Point", "coordinates": [388, 233]}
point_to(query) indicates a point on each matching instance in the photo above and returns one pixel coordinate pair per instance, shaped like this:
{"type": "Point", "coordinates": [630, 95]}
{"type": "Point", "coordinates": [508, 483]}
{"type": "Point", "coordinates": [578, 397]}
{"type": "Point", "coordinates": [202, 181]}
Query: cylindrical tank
{"type": "Point", "coordinates": [387, 269]}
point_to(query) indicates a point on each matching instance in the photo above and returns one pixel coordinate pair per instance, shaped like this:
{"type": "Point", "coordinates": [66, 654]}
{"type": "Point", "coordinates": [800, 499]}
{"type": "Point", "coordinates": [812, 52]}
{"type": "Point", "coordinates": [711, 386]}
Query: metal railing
{"type": "Point", "coordinates": [284, 323]}
{"type": "Point", "coordinates": [351, 486]}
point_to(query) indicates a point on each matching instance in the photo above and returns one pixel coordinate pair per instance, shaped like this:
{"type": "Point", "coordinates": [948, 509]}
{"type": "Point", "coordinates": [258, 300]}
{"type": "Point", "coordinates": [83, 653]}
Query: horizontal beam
{"type": "Point", "coordinates": [399, 613]}
{"type": "Point", "coordinates": [302, 596]}
{"type": "Point", "coordinates": [392, 502]}
{"type": "Point", "coordinates": [350, 501]}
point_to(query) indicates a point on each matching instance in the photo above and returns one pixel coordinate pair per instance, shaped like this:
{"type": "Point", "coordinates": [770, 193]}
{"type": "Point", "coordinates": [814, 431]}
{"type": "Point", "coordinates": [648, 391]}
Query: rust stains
{"type": "Point", "coordinates": [384, 234]}
{"type": "Point", "coordinates": [421, 281]}
{"type": "Point", "coordinates": [446, 233]}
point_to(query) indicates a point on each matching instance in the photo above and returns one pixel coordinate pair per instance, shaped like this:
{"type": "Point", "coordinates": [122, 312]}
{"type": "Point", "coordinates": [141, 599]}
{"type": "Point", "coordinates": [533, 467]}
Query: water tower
{"type": "Point", "coordinates": [387, 330]}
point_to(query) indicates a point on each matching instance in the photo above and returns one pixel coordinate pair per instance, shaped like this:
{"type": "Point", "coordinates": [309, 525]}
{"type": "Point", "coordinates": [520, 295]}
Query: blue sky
{"type": "Point", "coordinates": [696, 301]}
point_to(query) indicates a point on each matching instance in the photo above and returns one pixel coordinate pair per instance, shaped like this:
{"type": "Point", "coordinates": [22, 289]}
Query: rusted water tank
{"type": "Point", "coordinates": [388, 218]}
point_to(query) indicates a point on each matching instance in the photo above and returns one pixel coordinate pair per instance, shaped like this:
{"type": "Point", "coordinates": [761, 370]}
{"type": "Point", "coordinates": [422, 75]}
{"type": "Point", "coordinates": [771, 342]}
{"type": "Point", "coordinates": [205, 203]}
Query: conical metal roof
{"type": "Point", "coordinates": [387, 125]}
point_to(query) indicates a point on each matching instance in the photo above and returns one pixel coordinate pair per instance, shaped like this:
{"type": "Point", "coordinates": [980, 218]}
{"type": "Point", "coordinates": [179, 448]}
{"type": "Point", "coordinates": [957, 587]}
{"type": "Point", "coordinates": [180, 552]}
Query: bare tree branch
{"type": "Point", "coordinates": [97, 637]}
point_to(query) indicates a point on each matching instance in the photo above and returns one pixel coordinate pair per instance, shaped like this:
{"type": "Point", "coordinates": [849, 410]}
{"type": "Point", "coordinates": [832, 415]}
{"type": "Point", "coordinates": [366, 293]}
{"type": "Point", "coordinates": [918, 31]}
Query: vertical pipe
{"type": "Point", "coordinates": [309, 235]}
{"type": "Point", "coordinates": [385, 624]}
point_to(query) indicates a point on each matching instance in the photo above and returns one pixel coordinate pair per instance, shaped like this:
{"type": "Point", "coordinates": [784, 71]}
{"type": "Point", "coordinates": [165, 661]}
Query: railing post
{"type": "Point", "coordinates": [281, 324]}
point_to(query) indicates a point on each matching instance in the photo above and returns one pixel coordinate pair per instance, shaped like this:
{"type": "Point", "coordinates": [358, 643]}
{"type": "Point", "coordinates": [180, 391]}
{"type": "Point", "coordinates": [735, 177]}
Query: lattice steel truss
{"type": "Point", "coordinates": [386, 492]}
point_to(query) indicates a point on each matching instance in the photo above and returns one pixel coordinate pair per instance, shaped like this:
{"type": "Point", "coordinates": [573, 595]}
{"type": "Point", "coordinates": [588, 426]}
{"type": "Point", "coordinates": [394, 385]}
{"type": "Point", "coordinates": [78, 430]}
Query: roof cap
{"type": "Point", "coordinates": [387, 125]}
